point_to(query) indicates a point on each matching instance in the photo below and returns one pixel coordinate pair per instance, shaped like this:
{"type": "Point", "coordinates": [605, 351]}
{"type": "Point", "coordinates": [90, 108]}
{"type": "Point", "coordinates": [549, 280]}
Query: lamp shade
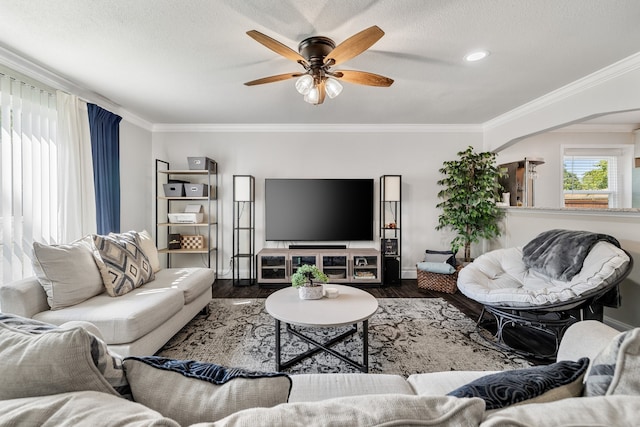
{"type": "Point", "coordinates": [313, 96]}
{"type": "Point", "coordinates": [304, 84]}
{"type": "Point", "coordinates": [332, 87]}
{"type": "Point", "coordinates": [391, 188]}
{"type": "Point", "coordinates": [243, 188]}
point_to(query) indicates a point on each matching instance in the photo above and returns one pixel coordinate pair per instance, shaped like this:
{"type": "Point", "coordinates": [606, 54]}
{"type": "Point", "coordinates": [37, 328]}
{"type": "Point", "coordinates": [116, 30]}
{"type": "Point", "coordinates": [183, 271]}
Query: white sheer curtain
{"type": "Point", "coordinates": [77, 203]}
{"type": "Point", "coordinates": [46, 172]}
{"type": "Point", "coordinates": [28, 179]}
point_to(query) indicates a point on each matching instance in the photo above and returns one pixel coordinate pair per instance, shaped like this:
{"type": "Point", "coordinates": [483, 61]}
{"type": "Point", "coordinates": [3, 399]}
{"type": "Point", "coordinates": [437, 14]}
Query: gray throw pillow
{"type": "Point", "coordinates": [201, 392]}
{"type": "Point", "coordinates": [531, 385]}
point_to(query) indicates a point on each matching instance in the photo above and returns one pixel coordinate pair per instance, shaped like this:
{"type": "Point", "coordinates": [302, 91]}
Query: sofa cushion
{"type": "Point", "coordinates": [124, 319]}
{"type": "Point", "coordinates": [122, 263]}
{"type": "Point", "coordinates": [373, 410]}
{"type": "Point", "coordinates": [578, 411]}
{"type": "Point", "coordinates": [108, 364]}
{"type": "Point", "coordinates": [615, 369]}
{"type": "Point", "coordinates": [44, 362]}
{"type": "Point", "coordinates": [441, 383]}
{"type": "Point", "coordinates": [68, 273]}
{"type": "Point", "coordinates": [83, 408]}
{"type": "Point", "coordinates": [538, 384]}
{"type": "Point", "coordinates": [313, 387]}
{"type": "Point", "coordinates": [201, 391]}
{"type": "Point", "coordinates": [191, 281]}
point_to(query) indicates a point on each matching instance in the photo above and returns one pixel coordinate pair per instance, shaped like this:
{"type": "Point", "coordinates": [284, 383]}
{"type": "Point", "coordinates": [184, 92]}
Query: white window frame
{"type": "Point", "coordinates": [619, 190]}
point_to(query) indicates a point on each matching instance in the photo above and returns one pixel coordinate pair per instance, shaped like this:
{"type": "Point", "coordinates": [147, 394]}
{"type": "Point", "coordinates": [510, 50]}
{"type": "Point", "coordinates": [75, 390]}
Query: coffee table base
{"type": "Point", "coordinates": [364, 367]}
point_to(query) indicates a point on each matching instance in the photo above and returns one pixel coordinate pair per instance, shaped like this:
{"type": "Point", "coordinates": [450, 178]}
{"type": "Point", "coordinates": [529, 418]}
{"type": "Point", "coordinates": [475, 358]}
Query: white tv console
{"type": "Point", "coordinates": [355, 266]}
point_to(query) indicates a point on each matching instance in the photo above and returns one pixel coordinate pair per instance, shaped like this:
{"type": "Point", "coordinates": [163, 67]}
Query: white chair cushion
{"type": "Point", "coordinates": [500, 277]}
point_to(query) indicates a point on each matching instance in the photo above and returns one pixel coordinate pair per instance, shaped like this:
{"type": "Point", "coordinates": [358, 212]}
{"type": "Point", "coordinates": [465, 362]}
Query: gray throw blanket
{"type": "Point", "coordinates": [560, 253]}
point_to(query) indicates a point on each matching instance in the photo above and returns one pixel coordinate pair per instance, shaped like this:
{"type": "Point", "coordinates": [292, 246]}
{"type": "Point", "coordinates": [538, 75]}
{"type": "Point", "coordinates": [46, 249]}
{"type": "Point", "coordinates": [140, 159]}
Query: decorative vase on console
{"type": "Point", "coordinates": [309, 280]}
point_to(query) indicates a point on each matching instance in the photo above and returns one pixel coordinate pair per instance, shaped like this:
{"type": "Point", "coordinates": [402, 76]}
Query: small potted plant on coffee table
{"type": "Point", "coordinates": [309, 280]}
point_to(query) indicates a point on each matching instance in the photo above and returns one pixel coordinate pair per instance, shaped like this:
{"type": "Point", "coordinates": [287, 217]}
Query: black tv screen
{"type": "Point", "coordinates": [319, 209]}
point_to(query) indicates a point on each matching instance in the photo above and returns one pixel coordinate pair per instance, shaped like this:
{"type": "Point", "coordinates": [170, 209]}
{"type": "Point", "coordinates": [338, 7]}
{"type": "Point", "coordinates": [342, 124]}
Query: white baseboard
{"type": "Point", "coordinates": [616, 324]}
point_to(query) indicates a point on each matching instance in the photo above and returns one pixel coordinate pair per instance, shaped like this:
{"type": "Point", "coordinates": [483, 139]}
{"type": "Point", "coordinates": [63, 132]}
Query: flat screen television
{"type": "Point", "coordinates": [319, 209]}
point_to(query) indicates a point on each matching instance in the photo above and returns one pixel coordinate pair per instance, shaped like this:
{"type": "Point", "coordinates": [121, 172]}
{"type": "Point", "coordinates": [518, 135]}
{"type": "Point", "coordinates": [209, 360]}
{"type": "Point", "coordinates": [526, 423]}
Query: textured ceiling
{"type": "Point", "coordinates": [170, 61]}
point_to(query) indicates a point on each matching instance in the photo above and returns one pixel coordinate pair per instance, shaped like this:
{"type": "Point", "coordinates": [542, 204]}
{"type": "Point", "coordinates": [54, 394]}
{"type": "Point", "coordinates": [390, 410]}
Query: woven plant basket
{"type": "Point", "coordinates": [439, 282]}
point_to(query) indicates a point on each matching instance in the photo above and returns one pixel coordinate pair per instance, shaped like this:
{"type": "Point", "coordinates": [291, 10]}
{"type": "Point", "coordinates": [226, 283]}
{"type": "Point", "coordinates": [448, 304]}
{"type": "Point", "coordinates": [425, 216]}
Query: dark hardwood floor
{"type": "Point", "coordinates": [407, 289]}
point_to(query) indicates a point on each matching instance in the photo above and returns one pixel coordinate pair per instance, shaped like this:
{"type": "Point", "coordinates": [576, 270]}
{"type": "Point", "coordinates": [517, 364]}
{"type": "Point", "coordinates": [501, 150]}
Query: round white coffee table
{"type": "Point", "coordinates": [352, 306]}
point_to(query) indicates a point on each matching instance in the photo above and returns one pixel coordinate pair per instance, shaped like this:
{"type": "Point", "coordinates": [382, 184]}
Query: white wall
{"type": "Point", "coordinates": [416, 156]}
{"type": "Point", "coordinates": [136, 178]}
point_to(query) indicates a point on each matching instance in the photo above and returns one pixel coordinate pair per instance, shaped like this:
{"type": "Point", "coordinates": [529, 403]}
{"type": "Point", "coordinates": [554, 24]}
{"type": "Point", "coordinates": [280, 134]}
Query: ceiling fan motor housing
{"type": "Point", "coordinates": [315, 49]}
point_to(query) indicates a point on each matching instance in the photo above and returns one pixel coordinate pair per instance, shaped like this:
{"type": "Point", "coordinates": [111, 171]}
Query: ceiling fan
{"type": "Point", "coordinates": [318, 55]}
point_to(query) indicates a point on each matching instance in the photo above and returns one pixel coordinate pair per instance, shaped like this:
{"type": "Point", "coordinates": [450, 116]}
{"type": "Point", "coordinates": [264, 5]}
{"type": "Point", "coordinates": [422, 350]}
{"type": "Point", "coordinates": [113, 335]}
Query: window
{"type": "Point", "coordinates": [592, 177]}
{"type": "Point", "coordinates": [28, 177]}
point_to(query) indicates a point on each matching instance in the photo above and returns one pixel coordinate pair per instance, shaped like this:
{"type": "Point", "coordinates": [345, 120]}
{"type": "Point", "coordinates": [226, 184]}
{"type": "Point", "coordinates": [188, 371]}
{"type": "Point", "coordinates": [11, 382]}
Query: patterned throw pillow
{"type": "Point", "coordinates": [37, 359]}
{"type": "Point", "coordinates": [202, 392]}
{"type": "Point", "coordinates": [615, 369]}
{"type": "Point", "coordinates": [533, 385]}
{"type": "Point", "coordinates": [122, 263]}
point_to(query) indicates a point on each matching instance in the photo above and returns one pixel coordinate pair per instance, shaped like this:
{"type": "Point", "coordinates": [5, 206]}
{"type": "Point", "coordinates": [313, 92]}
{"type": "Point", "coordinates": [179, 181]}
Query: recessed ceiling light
{"type": "Point", "coordinates": [477, 55]}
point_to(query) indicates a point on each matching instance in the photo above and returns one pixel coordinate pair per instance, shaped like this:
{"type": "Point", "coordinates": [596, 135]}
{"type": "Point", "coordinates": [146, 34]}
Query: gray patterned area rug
{"type": "Point", "coordinates": [406, 336]}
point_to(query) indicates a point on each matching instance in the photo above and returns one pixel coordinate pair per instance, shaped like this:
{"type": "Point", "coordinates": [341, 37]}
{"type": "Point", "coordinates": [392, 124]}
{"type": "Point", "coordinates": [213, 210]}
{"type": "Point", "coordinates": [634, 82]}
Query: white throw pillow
{"type": "Point", "coordinates": [85, 408]}
{"type": "Point", "coordinates": [55, 361]}
{"type": "Point", "coordinates": [201, 392]}
{"type": "Point", "coordinates": [149, 249]}
{"type": "Point", "coordinates": [371, 410]}
{"type": "Point", "coordinates": [108, 364]}
{"type": "Point", "coordinates": [68, 273]}
{"type": "Point", "coordinates": [615, 369]}
{"type": "Point", "coordinates": [576, 411]}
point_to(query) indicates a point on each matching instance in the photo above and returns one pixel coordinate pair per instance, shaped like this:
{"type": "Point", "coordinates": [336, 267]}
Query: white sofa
{"type": "Point", "coordinates": [69, 287]}
{"type": "Point", "coordinates": [138, 323]}
{"type": "Point", "coordinates": [165, 398]}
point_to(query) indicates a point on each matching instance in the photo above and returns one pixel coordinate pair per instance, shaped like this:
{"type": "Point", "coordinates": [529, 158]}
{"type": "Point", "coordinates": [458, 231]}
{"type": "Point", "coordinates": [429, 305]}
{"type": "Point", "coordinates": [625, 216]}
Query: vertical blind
{"type": "Point", "coordinates": [592, 173]}
{"type": "Point", "coordinates": [28, 180]}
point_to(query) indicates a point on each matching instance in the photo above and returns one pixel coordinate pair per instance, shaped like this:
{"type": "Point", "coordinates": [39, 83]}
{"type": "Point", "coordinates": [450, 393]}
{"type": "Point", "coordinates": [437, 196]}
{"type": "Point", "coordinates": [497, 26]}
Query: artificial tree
{"type": "Point", "coordinates": [470, 192]}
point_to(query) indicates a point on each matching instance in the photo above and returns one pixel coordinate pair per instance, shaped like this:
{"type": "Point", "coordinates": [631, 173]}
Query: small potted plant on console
{"type": "Point", "coordinates": [309, 279]}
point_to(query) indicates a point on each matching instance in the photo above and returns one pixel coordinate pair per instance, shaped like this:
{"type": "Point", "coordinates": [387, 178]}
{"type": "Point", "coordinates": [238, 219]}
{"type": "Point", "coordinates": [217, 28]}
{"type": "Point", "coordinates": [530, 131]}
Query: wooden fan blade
{"type": "Point", "coordinates": [275, 46]}
{"type": "Point", "coordinates": [272, 79]}
{"type": "Point", "coordinates": [354, 45]}
{"type": "Point", "coordinates": [363, 78]}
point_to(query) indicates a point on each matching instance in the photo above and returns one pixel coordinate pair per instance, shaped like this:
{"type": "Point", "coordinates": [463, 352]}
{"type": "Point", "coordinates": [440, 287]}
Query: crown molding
{"type": "Point", "coordinates": [596, 127]}
{"type": "Point", "coordinates": [603, 75]}
{"type": "Point", "coordinates": [55, 82]}
{"type": "Point", "coordinates": [315, 128]}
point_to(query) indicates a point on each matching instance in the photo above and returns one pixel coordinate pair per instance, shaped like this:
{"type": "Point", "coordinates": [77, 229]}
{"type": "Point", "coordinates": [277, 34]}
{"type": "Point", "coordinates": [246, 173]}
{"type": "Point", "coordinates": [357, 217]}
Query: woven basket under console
{"type": "Point", "coordinates": [439, 282]}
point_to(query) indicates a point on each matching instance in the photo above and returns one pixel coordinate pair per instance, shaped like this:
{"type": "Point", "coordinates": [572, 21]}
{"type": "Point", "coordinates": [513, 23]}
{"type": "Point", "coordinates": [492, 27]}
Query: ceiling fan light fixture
{"type": "Point", "coordinates": [313, 96]}
{"type": "Point", "coordinates": [304, 84]}
{"type": "Point", "coordinates": [332, 87]}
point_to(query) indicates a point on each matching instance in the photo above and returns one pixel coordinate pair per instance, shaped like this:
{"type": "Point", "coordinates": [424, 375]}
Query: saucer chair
{"type": "Point", "coordinates": [558, 278]}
